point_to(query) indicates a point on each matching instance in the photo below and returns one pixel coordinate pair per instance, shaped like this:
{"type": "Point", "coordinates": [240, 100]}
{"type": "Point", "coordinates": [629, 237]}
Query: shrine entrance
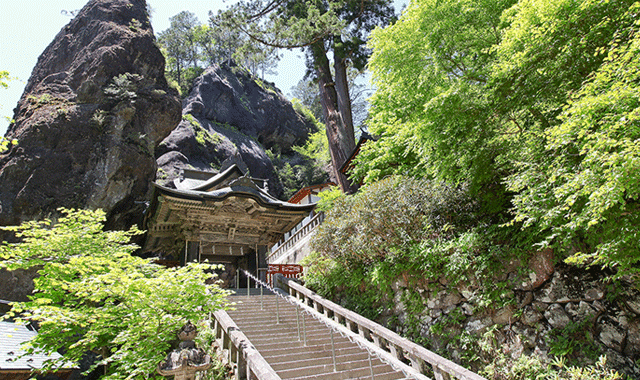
{"type": "Point", "coordinates": [225, 218]}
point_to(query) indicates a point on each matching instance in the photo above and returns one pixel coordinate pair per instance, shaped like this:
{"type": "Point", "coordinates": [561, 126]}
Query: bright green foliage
{"type": "Point", "coordinates": [203, 135]}
{"type": "Point", "coordinates": [93, 295]}
{"type": "Point", "coordinates": [4, 143]}
{"type": "Point", "coordinates": [500, 365]}
{"type": "Point", "coordinates": [4, 77]}
{"type": "Point", "coordinates": [295, 173]}
{"type": "Point", "coordinates": [429, 69]}
{"type": "Point", "coordinates": [584, 184]}
{"type": "Point", "coordinates": [538, 96]}
{"type": "Point", "coordinates": [123, 87]}
{"type": "Point", "coordinates": [316, 149]}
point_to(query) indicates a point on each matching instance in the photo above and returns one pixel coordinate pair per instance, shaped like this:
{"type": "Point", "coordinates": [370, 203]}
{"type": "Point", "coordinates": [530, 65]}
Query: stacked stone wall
{"type": "Point", "coordinates": [591, 315]}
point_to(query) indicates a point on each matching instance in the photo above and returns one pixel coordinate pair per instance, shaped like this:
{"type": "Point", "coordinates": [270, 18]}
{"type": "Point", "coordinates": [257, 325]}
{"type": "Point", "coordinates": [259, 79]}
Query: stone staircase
{"type": "Point", "coordinates": [297, 346]}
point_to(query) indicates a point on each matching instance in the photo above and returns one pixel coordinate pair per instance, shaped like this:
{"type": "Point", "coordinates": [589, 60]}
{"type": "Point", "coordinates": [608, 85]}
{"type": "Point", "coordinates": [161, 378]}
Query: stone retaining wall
{"type": "Point", "coordinates": [556, 298]}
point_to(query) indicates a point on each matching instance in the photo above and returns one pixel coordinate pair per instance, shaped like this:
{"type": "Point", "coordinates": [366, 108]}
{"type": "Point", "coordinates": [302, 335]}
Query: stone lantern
{"type": "Point", "coordinates": [186, 360]}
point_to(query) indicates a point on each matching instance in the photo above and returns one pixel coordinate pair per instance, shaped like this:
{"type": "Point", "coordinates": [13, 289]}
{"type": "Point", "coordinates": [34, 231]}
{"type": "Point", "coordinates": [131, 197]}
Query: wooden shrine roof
{"type": "Point", "coordinates": [225, 210]}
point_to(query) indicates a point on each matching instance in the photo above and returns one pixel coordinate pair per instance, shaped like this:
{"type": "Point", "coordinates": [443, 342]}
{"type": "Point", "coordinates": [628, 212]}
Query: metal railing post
{"type": "Point", "coordinates": [277, 311]}
{"type": "Point", "coordinates": [261, 297]}
{"type": "Point", "coordinates": [298, 321]}
{"type": "Point", "coordinates": [333, 351]}
{"type": "Point", "coordinates": [304, 328]}
{"type": "Point", "coordinates": [370, 365]}
{"type": "Point", "coordinates": [248, 286]}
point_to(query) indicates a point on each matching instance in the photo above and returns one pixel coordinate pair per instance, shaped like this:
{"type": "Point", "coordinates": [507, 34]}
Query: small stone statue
{"type": "Point", "coordinates": [186, 360]}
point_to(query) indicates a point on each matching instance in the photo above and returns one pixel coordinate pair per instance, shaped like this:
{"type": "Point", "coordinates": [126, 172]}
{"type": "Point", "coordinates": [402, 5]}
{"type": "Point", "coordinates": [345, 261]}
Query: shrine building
{"type": "Point", "coordinates": [226, 218]}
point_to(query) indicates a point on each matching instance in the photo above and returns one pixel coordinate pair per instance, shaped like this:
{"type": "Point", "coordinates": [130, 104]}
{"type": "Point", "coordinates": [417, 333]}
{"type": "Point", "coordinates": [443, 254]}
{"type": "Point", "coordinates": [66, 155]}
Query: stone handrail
{"type": "Point", "coordinates": [399, 347]}
{"type": "Point", "coordinates": [293, 239]}
{"type": "Point", "coordinates": [251, 365]}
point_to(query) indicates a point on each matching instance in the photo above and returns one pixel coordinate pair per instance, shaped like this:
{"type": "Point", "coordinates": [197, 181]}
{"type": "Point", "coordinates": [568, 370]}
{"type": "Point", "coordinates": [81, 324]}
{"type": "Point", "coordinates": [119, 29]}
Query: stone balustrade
{"type": "Point", "coordinates": [296, 237]}
{"type": "Point", "coordinates": [400, 348]}
{"type": "Point", "coordinates": [249, 362]}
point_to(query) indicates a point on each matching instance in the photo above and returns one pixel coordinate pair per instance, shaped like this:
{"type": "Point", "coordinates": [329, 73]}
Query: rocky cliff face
{"type": "Point", "coordinates": [95, 107]}
{"type": "Point", "coordinates": [231, 115]}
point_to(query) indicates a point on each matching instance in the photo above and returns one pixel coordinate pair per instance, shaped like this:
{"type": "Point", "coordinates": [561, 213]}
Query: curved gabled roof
{"type": "Point", "coordinates": [212, 183]}
{"type": "Point", "coordinates": [242, 187]}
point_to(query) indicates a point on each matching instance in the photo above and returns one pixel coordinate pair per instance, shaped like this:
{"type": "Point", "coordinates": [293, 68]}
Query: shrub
{"type": "Point", "coordinates": [391, 216]}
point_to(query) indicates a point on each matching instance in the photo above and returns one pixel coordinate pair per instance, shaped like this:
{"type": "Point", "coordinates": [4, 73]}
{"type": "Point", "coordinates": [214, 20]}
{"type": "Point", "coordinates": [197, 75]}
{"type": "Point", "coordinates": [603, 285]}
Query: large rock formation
{"type": "Point", "coordinates": [231, 115]}
{"type": "Point", "coordinates": [94, 109]}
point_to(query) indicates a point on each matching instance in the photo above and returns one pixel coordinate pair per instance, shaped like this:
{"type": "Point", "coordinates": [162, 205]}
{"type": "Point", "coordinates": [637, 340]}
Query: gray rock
{"type": "Point", "coordinates": [634, 305]}
{"type": "Point", "coordinates": [91, 115]}
{"type": "Point", "coordinates": [504, 316]}
{"type": "Point", "coordinates": [467, 294]}
{"type": "Point", "coordinates": [478, 325]}
{"type": "Point", "coordinates": [467, 309]}
{"type": "Point", "coordinates": [632, 348]}
{"type": "Point", "coordinates": [541, 269]}
{"type": "Point", "coordinates": [450, 300]}
{"type": "Point", "coordinates": [531, 316]}
{"type": "Point", "coordinates": [231, 114]}
{"type": "Point", "coordinates": [612, 337]}
{"type": "Point", "coordinates": [556, 316]}
{"type": "Point", "coordinates": [579, 312]}
{"type": "Point", "coordinates": [539, 306]}
{"type": "Point", "coordinates": [593, 294]}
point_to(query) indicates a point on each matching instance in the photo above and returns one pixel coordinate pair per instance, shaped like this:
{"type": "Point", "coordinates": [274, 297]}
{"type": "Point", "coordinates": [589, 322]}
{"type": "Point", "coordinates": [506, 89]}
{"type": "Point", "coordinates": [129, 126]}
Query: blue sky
{"type": "Point", "coordinates": [29, 26]}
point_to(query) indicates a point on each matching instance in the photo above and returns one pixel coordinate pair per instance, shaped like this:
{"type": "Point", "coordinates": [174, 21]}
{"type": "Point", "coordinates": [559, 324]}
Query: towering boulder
{"type": "Point", "coordinates": [232, 116]}
{"type": "Point", "coordinates": [94, 109]}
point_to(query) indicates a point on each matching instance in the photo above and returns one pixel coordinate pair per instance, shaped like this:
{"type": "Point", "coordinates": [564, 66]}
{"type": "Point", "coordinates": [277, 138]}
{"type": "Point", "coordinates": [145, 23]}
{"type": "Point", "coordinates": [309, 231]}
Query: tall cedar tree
{"type": "Point", "coordinates": [322, 28]}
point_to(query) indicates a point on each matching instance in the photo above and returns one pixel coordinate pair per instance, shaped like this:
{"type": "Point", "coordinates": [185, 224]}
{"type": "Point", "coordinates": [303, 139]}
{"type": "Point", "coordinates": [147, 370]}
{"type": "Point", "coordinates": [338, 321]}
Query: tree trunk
{"type": "Point", "coordinates": [342, 90]}
{"type": "Point", "coordinates": [341, 140]}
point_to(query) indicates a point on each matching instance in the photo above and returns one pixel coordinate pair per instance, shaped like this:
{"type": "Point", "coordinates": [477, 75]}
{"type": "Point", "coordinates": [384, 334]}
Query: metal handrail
{"type": "Point", "coordinates": [399, 347]}
{"type": "Point", "coordinates": [336, 327]}
{"type": "Point", "coordinates": [297, 236]}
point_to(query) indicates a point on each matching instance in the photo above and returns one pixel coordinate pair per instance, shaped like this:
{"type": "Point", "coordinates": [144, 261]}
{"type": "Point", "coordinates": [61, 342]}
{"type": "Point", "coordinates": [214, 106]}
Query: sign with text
{"type": "Point", "coordinates": [287, 270]}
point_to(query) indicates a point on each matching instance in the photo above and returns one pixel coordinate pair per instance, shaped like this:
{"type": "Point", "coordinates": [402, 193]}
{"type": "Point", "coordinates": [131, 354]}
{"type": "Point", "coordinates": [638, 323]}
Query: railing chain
{"type": "Point", "coordinates": [331, 328]}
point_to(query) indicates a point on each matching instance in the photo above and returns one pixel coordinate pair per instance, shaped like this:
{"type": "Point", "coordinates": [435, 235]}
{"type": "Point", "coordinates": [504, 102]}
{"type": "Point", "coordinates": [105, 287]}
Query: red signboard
{"type": "Point", "coordinates": [288, 270]}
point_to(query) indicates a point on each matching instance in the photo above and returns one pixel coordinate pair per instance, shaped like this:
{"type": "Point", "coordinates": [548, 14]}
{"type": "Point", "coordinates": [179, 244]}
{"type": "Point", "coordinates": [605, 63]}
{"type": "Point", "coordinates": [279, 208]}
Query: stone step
{"type": "Point", "coordinates": [347, 365]}
{"type": "Point", "coordinates": [285, 324]}
{"type": "Point", "coordinates": [359, 355]}
{"type": "Point", "coordinates": [292, 336]}
{"type": "Point", "coordinates": [281, 329]}
{"type": "Point", "coordinates": [278, 343]}
{"type": "Point", "coordinates": [302, 354]}
{"type": "Point", "coordinates": [319, 341]}
{"type": "Point", "coordinates": [380, 372]}
{"type": "Point", "coordinates": [320, 350]}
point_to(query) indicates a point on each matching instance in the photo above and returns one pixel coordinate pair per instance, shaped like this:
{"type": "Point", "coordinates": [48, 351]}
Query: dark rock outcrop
{"type": "Point", "coordinates": [94, 109]}
{"type": "Point", "coordinates": [230, 115]}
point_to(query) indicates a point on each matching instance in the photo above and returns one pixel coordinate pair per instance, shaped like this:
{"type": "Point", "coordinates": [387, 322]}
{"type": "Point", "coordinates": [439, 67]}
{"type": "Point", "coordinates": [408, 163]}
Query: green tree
{"type": "Point", "coordinates": [430, 69]}
{"type": "Point", "coordinates": [179, 42]}
{"type": "Point", "coordinates": [511, 98]}
{"type": "Point", "coordinates": [322, 28]}
{"type": "Point", "coordinates": [4, 79]}
{"type": "Point", "coordinates": [92, 295]}
{"type": "Point", "coordinates": [188, 46]}
{"type": "Point", "coordinates": [582, 186]}
{"type": "Point", "coordinates": [307, 92]}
